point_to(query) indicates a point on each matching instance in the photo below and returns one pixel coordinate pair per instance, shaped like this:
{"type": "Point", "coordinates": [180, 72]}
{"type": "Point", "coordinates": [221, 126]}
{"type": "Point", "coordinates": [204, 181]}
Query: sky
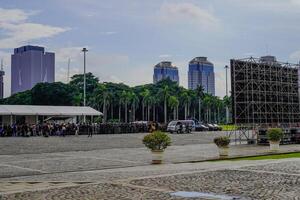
{"type": "Point", "coordinates": [126, 38]}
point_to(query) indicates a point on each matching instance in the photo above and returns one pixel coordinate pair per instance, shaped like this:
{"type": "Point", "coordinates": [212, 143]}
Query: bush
{"type": "Point", "coordinates": [275, 134]}
{"type": "Point", "coordinates": [222, 141]}
{"type": "Point", "coordinates": [157, 141]}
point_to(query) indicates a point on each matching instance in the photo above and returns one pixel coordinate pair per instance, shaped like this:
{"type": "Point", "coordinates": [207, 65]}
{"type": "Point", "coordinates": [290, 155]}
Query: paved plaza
{"type": "Point", "coordinates": [118, 167]}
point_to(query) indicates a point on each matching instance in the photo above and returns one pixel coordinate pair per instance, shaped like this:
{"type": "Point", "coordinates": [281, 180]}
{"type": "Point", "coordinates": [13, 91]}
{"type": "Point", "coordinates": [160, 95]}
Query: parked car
{"type": "Point", "coordinates": [181, 126]}
{"type": "Point", "coordinates": [218, 128]}
{"type": "Point", "coordinates": [201, 127]}
{"type": "Point", "coordinates": [211, 127]}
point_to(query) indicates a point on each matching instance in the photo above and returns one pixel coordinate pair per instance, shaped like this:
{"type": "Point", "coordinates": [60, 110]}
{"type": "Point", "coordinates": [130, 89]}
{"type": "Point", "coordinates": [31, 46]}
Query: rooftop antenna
{"type": "Point", "coordinates": [68, 75]}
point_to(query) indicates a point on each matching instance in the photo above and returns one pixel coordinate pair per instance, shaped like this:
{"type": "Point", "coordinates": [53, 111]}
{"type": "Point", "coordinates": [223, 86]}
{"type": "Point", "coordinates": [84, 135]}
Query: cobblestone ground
{"type": "Point", "coordinates": [239, 180]}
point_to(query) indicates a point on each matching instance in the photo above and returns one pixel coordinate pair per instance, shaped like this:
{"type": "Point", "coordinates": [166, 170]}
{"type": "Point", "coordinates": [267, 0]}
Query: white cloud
{"type": "Point", "coordinates": [188, 13]}
{"type": "Point", "coordinates": [19, 32]}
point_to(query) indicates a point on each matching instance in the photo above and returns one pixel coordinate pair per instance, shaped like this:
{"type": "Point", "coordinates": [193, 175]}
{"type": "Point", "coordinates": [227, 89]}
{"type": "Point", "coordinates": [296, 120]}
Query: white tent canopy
{"type": "Point", "coordinates": [28, 110]}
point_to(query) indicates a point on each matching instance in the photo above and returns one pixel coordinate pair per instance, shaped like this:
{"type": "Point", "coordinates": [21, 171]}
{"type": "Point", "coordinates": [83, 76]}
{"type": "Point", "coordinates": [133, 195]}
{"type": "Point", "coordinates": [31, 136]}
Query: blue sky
{"type": "Point", "coordinates": [126, 38]}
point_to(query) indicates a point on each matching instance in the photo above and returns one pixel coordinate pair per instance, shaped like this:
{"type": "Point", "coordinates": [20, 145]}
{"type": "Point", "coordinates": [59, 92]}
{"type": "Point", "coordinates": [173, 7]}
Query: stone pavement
{"type": "Point", "coordinates": [230, 179]}
{"type": "Point", "coordinates": [69, 168]}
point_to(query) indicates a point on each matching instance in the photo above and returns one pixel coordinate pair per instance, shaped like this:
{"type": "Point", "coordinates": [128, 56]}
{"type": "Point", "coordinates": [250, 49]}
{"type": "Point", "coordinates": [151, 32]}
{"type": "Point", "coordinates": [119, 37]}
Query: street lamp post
{"type": "Point", "coordinates": [227, 109]}
{"type": "Point", "coordinates": [84, 50]}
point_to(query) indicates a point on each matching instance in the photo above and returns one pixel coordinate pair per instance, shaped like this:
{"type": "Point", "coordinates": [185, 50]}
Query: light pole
{"type": "Point", "coordinates": [84, 50]}
{"type": "Point", "coordinates": [227, 109]}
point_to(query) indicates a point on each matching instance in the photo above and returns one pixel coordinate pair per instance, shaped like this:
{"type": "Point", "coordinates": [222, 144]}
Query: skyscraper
{"type": "Point", "coordinates": [1, 81]}
{"type": "Point", "coordinates": [164, 70]}
{"type": "Point", "coordinates": [31, 65]}
{"type": "Point", "coordinates": [201, 72]}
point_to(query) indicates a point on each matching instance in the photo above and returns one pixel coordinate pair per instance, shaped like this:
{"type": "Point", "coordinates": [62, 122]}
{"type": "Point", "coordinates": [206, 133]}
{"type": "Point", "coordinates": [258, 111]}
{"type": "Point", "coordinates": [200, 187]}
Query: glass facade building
{"type": "Point", "coordinates": [201, 72]}
{"type": "Point", "coordinates": [164, 70]}
{"type": "Point", "coordinates": [31, 65]}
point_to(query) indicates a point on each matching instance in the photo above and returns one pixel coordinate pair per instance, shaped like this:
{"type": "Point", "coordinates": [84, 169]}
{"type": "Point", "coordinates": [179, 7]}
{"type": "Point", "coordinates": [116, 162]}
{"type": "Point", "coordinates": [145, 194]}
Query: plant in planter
{"type": "Point", "coordinates": [274, 137]}
{"type": "Point", "coordinates": [157, 142]}
{"type": "Point", "coordinates": [223, 143]}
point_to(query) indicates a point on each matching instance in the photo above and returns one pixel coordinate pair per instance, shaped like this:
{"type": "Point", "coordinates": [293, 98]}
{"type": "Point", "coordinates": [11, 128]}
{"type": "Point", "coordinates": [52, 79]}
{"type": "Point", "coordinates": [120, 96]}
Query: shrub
{"type": "Point", "coordinates": [222, 141]}
{"type": "Point", "coordinates": [157, 140]}
{"type": "Point", "coordinates": [275, 134]}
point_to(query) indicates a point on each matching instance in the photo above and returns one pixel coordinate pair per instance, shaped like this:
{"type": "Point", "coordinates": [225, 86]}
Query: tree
{"type": "Point", "coordinates": [185, 99]}
{"type": "Point", "coordinates": [125, 100]}
{"type": "Point", "coordinates": [134, 103]}
{"type": "Point", "coordinates": [56, 94]}
{"type": "Point", "coordinates": [77, 81]}
{"type": "Point", "coordinates": [165, 93]}
{"type": "Point", "coordinates": [145, 96]}
{"type": "Point", "coordinates": [200, 95]}
{"type": "Point", "coordinates": [173, 103]}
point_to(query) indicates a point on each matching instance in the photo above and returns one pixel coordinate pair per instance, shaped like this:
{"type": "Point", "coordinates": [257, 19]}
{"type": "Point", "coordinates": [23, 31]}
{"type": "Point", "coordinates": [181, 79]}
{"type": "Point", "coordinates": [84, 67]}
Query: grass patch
{"type": "Point", "coordinates": [228, 127]}
{"type": "Point", "coordinates": [269, 157]}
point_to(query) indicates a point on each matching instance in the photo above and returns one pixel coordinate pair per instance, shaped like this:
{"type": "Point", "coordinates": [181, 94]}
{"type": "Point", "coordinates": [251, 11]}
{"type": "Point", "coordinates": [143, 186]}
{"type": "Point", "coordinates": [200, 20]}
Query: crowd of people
{"type": "Point", "coordinates": [63, 129]}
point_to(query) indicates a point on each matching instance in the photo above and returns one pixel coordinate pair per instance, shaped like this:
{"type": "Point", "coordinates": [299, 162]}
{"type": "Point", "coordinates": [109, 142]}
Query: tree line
{"type": "Point", "coordinates": [162, 102]}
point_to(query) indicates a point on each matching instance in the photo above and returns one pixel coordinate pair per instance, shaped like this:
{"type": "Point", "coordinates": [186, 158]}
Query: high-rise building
{"type": "Point", "coordinates": [2, 73]}
{"type": "Point", "coordinates": [31, 65]}
{"type": "Point", "coordinates": [164, 70]}
{"type": "Point", "coordinates": [201, 73]}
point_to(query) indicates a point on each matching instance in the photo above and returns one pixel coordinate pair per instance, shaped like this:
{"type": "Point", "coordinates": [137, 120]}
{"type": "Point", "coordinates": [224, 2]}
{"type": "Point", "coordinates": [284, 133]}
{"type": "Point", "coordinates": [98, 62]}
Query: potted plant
{"type": "Point", "coordinates": [223, 143]}
{"type": "Point", "coordinates": [274, 137]}
{"type": "Point", "coordinates": [157, 142]}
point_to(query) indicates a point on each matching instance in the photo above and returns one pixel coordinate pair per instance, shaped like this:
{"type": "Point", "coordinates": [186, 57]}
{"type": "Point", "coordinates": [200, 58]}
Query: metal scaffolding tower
{"type": "Point", "coordinates": [264, 93]}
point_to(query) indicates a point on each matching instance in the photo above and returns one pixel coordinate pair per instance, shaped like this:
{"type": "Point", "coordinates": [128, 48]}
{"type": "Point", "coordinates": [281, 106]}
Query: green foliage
{"type": "Point", "coordinates": [57, 94]}
{"type": "Point", "coordinates": [21, 98]}
{"type": "Point", "coordinates": [222, 141]}
{"type": "Point", "coordinates": [159, 102]}
{"type": "Point", "coordinates": [275, 134]}
{"type": "Point", "coordinates": [157, 141]}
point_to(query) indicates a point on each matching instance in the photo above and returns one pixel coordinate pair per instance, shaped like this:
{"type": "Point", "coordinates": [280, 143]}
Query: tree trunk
{"type": "Point", "coordinates": [153, 112]}
{"type": "Point", "coordinates": [174, 113]}
{"type": "Point", "coordinates": [165, 110]}
{"type": "Point", "coordinates": [112, 111]}
{"type": "Point", "coordinates": [199, 118]}
{"type": "Point", "coordinates": [104, 110]}
{"type": "Point", "coordinates": [148, 112]}
{"type": "Point", "coordinates": [185, 111]}
{"type": "Point", "coordinates": [143, 111]}
{"type": "Point", "coordinates": [120, 112]}
{"type": "Point", "coordinates": [125, 113]}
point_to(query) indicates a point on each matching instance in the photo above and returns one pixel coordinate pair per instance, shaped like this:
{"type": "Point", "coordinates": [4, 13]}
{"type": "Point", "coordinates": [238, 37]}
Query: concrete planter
{"type": "Point", "coordinates": [274, 145]}
{"type": "Point", "coordinates": [224, 151]}
{"type": "Point", "coordinates": [157, 156]}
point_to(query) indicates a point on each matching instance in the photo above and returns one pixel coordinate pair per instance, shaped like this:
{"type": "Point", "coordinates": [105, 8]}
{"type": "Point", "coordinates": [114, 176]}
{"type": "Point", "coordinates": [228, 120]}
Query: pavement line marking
{"type": "Point", "coordinates": [24, 168]}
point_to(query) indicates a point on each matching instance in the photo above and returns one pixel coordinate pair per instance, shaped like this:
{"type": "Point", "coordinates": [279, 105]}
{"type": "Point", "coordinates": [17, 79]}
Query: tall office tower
{"type": "Point", "coordinates": [201, 73]}
{"type": "Point", "coordinates": [31, 65]}
{"type": "Point", "coordinates": [1, 81]}
{"type": "Point", "coordinates": [164, 70]}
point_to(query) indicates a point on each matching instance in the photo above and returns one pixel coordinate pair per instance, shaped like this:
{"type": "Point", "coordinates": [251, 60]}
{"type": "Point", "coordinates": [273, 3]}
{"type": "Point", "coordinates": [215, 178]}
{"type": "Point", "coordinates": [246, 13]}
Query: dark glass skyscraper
{"type": "Point", "coordinates": [201, 72]}
{"type": "Point", "coordinates": [31, 65]}
{"type": "Point", "coordinates": [164, 70]}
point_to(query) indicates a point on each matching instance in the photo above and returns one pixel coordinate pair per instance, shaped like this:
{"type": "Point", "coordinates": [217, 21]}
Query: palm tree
{"type": "Point", "coordinates": [200, 95]}
{"type": "Point", "coordinates": [134, 103]}
{"type": "Point", "coordinates": [207, 101]}
{"type": "Point", "coordinates": [102, 97]}
{"type": "Point", "coordinates": [164, 93]}
{"type": "Point", "coordinates": [173, 103]}
{"type": "Point", "coordinates": [125, 99]}
{"type": "Point", "coordinates": [185, 98]}
{"type": "Point", "coordinates": [145, 94]}
{"type": "Point", "coordinates": [152, 103]}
